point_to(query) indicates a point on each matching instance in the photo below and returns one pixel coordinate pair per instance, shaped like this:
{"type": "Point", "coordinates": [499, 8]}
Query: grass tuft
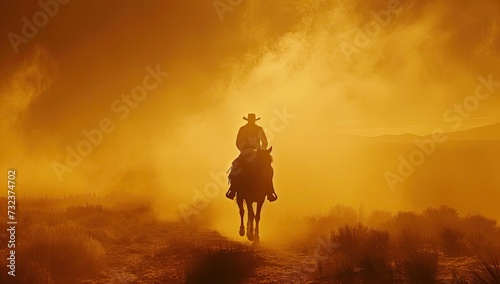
{"type": "Point", "coordinates": [419, 267]}
{"type": "Point", "coordinates": [487, 271]}
{"type": "Point", "coordinates": [221, 267]}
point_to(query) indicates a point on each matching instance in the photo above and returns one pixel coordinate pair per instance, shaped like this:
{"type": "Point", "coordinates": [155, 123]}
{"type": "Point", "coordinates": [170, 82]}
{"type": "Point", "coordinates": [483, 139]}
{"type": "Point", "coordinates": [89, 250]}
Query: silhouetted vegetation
{"type": "Point", "coordinates": [419, 267]}
{"type": "Point", "coordinates": [487, 271]}
{"type": "Point", "coordinates": [223, 266]}
{"type": "Point", "coordinates": [107, 244]}
{"type": "Point", "coordinates": [57, 244]}
{"type": "Point", "coordinates": [409, 247]}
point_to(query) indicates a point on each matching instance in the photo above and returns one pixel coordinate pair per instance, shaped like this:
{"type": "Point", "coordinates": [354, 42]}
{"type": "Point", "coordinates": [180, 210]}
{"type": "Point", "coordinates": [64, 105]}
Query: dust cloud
{"type": "Point", "coordinates": [320, 74]}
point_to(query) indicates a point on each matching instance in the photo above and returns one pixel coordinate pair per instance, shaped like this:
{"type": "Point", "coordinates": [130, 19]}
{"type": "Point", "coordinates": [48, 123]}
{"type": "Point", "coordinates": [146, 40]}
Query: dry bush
{"type": "Point", "coordinates": [338, 267]}
{"type": "Point", "coordinates": [452, 241]}
{"type": "Point", "coordinates": [479, 243]}
{"type": "Point", "coordinates": [407, 239]}
{"type": "Point", "coordinates": [374, 254]}
{"type": "Point", "coordinates": [404, 220]}
{"type": "Point", "coordinates": [349, 237]}
{"type": "Point", "coordinates": [66, 249]}
{"type": "Point", "coordinates": [92, 215]}
{"type": "Point", "coordinates": [221, 266]}
{"type": "Point", "coordinates": [442, 216]}
{"type": "Point", "coordinates": [366, 249]}
{"type": "Point", "coordinates": [412, 249]}
{"type": "Point", "coordinates": [419, 267]}
{"type": "Point", "coordinates": [343, 214]}
{"type": "Point", "coordinates": [176, 245]}
{"type": "Point", "coordinates": [479, 223]}
{"type": "Point", "coordinates": [28, 272]}
{"type": "Point", "coordinates": [338, 215]}
{"type": "Point", "coordinates": [379, 218]}
{"type": "Point", "coordinates": [487, 271]}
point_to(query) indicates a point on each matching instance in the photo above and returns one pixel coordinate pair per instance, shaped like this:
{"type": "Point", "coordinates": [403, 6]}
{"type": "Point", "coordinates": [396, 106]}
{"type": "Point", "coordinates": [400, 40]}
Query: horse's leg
{"type": "Point", "coordinates": [242, 213]}
{"type": "Point", "coordinates": [257, 220]}
{"type": "Point", "coordinates": [251, 216]}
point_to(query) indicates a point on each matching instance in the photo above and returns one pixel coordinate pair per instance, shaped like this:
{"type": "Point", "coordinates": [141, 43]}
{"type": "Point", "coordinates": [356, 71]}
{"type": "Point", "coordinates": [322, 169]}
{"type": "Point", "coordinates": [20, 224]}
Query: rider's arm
{"type": "Point", "coordinates": [263, 138]}
{"type": "Point", "coordinates": [239, 140]}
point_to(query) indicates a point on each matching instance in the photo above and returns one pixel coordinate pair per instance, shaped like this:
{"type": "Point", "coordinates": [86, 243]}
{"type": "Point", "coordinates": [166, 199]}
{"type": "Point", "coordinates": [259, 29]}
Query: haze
{"type": "Point", "coordinates": [307, 68]}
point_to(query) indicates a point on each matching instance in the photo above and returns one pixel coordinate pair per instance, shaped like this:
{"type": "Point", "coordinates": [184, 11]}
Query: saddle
{"type": "Point", "coordinates": [242, 170]}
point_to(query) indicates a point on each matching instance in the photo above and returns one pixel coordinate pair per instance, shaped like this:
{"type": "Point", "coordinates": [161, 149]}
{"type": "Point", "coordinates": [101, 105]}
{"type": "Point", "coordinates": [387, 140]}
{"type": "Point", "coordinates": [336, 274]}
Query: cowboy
{"type": "Point", "coordinates": [250, 137]}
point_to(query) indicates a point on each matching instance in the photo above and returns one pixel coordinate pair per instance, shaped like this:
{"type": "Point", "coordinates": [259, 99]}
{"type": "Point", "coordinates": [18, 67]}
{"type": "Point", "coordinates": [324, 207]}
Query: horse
{"type": "Point", "coordinates": [253, 188]}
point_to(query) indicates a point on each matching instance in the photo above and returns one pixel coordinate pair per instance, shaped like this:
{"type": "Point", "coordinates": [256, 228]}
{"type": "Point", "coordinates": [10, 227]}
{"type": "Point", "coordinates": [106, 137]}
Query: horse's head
{"type": "Point", "coordinates": [264, 157]}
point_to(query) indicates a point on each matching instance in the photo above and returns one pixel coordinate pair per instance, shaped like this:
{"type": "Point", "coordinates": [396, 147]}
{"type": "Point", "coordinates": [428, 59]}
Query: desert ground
{"type": "Point", "coordinates": [69, 241]}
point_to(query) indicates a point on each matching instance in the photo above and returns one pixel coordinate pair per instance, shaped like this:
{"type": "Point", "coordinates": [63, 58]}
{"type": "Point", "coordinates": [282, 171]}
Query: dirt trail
{"type": "Point", "coordinates": [284, 264]}
{"type": "Point", "coordinates": [160, 253]}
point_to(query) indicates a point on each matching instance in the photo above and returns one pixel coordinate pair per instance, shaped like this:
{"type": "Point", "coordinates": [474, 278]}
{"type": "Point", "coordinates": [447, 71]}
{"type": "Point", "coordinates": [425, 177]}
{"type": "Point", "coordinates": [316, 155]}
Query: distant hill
{"type": "Point", "coordinates": [489, 132]}
{"type": "Point", "coordinates": [401, 138]}
{"type": "Point", "coordinates": [486, 133]}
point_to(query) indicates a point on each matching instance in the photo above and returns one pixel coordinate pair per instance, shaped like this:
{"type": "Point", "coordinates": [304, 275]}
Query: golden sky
{"type": "Point", "coordinates": [311, 69]}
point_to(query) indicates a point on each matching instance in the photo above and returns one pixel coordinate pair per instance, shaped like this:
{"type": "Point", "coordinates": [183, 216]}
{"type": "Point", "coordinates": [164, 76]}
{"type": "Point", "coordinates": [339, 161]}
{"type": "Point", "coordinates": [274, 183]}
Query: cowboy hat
{"type": "Point", "coordinates": [251, 117]}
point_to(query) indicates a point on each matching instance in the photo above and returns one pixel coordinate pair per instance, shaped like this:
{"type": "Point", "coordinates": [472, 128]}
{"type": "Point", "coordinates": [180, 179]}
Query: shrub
{"type": "Point", "coordinates": [66, 248]}
{"type": "Point", "coordinates": [338, 267]}
{"type": "Point", "coordinates": [221, 267]}
{"type": "Point", "coordinates": [419, 267]}
{"type": "Point", "coordinates": [379, 217]}
{"type": "Point", "coordinates": [366, 249]}
{"type": "Point", "coordinates": [487, 271]}
{"type": "Point", "coordinates": [442, 215]}
{"type": "Point", "coordinates": [407, 239]}
{"type": "Point", "coordinates": [478, 243]}
{"type": "Point", "coordinates": [28, 272]}
{"type": "Point", "coordinates": [452, 240]}
{"type": "Point", "coordinates": [478, 223]}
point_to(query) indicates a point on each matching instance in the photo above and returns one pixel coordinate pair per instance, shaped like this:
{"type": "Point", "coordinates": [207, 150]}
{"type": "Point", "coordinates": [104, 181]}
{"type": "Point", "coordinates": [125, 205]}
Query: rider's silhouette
{"type": "Point", "coordinates": [250, 137]}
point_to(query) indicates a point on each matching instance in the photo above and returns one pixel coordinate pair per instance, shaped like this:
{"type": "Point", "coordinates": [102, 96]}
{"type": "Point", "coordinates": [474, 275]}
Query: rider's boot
{"type": "Point", "coordinates": [231, 193]}
{"type": "Point", "coordinates": [272, 196]}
